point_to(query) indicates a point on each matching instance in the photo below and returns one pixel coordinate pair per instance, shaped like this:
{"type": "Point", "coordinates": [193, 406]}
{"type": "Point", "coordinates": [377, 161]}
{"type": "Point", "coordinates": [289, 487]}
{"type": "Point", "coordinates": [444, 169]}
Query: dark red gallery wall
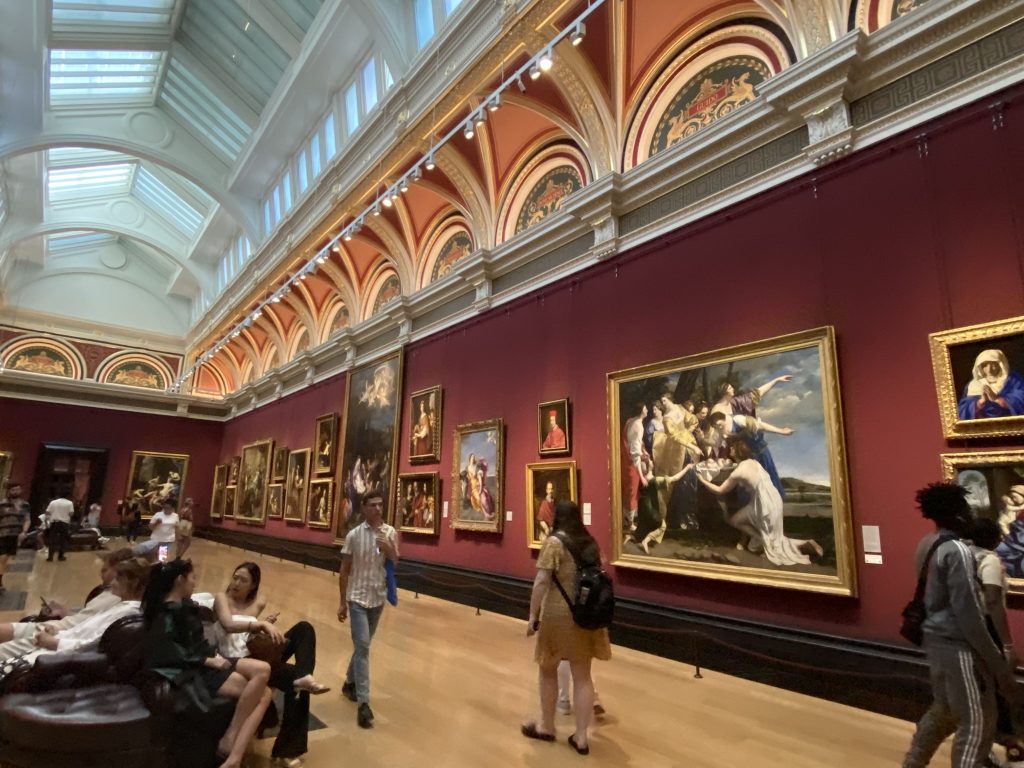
{"type": "Point", "coordinates": [887, 248]}
{"type": "Point", "coordinates": [26, 425]}
{"type": "Point", "coordinates": [290, 422]}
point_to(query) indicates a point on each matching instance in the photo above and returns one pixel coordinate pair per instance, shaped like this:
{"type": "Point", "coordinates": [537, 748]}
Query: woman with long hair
{"type": "Point", "coordinates": [238, 610]}
{"type": "Point", "coordinates": [178, 651]}
{"type": "Point", "coordinates": [558, 636]}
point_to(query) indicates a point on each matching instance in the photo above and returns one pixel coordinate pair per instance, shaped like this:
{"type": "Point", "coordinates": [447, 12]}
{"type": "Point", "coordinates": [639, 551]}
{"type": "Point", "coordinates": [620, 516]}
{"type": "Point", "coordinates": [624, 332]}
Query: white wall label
{"type": "Point", "coordinates": [872, 538]}
{"type": "Point", "coordinates": [508, 515]}
{"type": "Point", "coordinates": [873, 559]}
{"type": "Point", "coordinates": [586, 513]}
{"type": "Point", "coordinates": [444, 510]}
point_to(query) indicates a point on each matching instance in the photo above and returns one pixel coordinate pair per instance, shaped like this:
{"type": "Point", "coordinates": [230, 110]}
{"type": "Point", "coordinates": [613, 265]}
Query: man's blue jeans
{"type": "Point", "coordinates": [364, 623]}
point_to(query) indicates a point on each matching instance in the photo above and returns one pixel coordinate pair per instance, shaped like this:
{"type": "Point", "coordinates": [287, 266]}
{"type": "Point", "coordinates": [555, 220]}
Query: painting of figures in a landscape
{"type": "Point", "coordinates": [731, 465]}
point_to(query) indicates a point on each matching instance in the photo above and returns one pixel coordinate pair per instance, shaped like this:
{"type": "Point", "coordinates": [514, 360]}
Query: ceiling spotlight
{"type": "Point", "coordinates": [495, 103]}
{"type": "Point", "coordinates": [417, 173]}
{"type": "Point", "coordinates": [468, 131]}
{"type": "Point", "coordinates": [336, 248]}
{"type": "Point", "coordinates": [348, 235]}
{"type": "Point", "coordinates": [394, 193]}
{"type": "Point", "coordinates": [534, 71]}
{"type": "Point", "coordinates": [520, 84]}
{"type": "Point", "coordinates": [387, 201]}
{"type": "Point", "coordinates": [322, 258]}
{"type": "Point", "coordinates": [403, 185]}
{"type": "Point", "coordinates": [481, 118]}
{"type": "Point", "coordinates": [430, 165]}
{"type": "Point", "coordinates": [578, 34]}
{"type": "Point", "coordinates": [376, 209]}
{"type": "Point", "coordinates": [302, 275]}
{"type": "Point", "coordinates": [257, 314]}
{"type": "Point", "coordinates": [277, 298]}
{"type": "Point", "coordinates": [545, 61]}
{"type": "Point", "coordinates": [357, 225]}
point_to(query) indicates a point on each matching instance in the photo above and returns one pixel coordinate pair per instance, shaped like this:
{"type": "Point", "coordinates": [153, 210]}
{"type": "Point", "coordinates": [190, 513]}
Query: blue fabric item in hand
{"type": "Point", "coordinates": [389, 577]}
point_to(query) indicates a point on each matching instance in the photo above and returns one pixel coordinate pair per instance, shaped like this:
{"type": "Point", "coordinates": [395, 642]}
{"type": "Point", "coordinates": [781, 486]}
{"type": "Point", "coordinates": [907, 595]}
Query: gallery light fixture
{"type": "Point", "coordinates": [574, 31]}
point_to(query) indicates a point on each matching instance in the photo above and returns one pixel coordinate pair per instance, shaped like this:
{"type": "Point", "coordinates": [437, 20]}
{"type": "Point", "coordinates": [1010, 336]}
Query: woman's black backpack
{"type": "Point", "coordinates": [593, 603]}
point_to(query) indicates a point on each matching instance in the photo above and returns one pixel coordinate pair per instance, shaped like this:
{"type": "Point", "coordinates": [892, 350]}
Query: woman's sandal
{"type": "Point", "coordinates": [530, 731]}
{"type": "Point", "coordinates": [317, 689]}
{"type": "Point", "coordinates": [580, 750]}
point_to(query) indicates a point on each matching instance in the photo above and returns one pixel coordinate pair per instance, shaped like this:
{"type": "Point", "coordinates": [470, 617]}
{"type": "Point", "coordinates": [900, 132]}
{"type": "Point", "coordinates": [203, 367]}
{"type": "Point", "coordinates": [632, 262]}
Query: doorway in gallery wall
{"type": "Point", "coordinates": [75, 471]}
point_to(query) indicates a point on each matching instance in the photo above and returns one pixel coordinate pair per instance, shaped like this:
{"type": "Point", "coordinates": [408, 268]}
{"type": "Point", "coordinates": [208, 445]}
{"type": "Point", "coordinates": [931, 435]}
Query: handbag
{"type": "Point", "coordinates": [914, 613]}
{"type": "Point", "coordinates": [263, 648]}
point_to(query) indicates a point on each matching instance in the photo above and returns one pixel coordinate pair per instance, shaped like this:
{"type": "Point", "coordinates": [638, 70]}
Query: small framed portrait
{"type": "Point", "coordinates": [254, 477]}
{"type": "Point", "coordinates": [425, 426]}
{"type": "Point", "coordinates": [547, 483]}
{"type": "Point", "coordinates": [229, 501]}
{"type": "Point", "coordinates": [280, 464]}
{"type": "Point", "coordinates": [275, 501]}
{"type": "Point", "coordinates": [416, 503]}
{"type": "Point", "coordinates": [553, 427]}
{"type": "Point", "coordinates": [220, 481]}
{"type": "Point", "coordinates": [320, 509]}
{"type": "Point", "coordinates": [6, 462]}
{"type": "Point", "coordinates": [296, 486]}
{"type": "Point", "coordinates": [233, 466]}
{"type": "Point", "coordinates": [478, 476]}
{"type": "Point", "coordinates": [979, 378]}
{"type": "Point", "coordinates": [325, 444]}
{"type": "Point", "coordinates": [994, 481]}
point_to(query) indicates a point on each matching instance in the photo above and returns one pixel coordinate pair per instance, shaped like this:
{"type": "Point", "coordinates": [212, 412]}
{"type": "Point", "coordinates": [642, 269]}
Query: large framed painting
{"type": "Point", "coordinates": [731, 465]}
{"type": "Point", "coordinates": [994, 481]}
{"type": "Point", "coordinates": [320, 509]}
{"type": "Point", "coordinates": [416, 503]}
{"type": "Point", "coordinates": [478, 476]}
{"type": "Point", "coordinates": [547, 483]}
{"type": "Point", "coordinates": [253, 479]}
{"type": "Point", "coordinates": [156, 478]}
{"type": "Point", "coordinates": [229, 501]}
{"type": "Point", "coordinates": [275, 501]}
{"type": "Point", "coordinates": [978, 379]}
{"type": "Point", "coordinates": [296, 486]}
{"type": "Point", "coordinates": [553, 428]}
{"type": "Point", "coordinates": [6, 465]}
{"type": "Point", "coordinates": [233, 467]}
{"type": "Point", "coordinates": [325, 441]}
{"type": "Point", "coordinates": [425, 429]}
{"type": "Point", "coordinates": [220, 481]}
{"type": "Point", "coordinates": [369, 439]}
{"type": "Point", "coordinates": [280, 469]}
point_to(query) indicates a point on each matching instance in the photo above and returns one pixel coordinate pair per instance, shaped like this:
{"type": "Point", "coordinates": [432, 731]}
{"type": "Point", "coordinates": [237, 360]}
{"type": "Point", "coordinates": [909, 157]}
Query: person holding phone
{"type": "Point", "coordinates": [163, 531]}
{"type": "Point", "coordinates": [362, 587]}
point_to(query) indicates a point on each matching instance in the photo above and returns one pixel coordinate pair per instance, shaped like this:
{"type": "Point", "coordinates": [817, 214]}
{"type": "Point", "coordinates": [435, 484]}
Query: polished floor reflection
{"type": "Point", "coordinates": [450, 688]}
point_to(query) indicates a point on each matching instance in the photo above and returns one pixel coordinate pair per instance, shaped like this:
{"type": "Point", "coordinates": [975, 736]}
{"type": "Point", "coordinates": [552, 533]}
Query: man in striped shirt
{"type": "Point", "coordinates": [363, 590]}
{"type": "Point", "coordinates": [966, 666]}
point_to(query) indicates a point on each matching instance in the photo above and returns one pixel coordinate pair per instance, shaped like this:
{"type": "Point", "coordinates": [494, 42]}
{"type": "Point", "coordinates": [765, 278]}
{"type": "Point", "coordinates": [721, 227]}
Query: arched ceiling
{"type": "Point", "coordinates": [223, 93]}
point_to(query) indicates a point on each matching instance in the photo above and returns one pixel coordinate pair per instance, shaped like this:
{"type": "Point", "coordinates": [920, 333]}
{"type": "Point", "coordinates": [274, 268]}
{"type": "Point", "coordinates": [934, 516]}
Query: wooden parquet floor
{"type": "Point", "coordinates": [450, 688]}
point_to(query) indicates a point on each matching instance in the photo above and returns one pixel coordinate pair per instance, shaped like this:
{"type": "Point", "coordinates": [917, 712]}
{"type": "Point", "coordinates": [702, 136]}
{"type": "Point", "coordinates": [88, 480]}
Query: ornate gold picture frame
{"type": "Point", "coordinates": [553, 435]}
{"type": "Point", "coordinates": [995, 489]}
{"type": "Point", "coordinates": [417, 503]}
{"type": "Point", "coordinates": [979, 380]}
{"type": "Point", "coordinates": [296, 486]}
{"type": "Point", "coordinates": [220, 481]}
{"type": "Point", "coordinates": [478, 476]}
{"type": "Point", "coordinates": [547, 483]}
{"type": "Point", "coordinates": [320, 507]}
{"type": "Point", "coordinates": [253, 480]}
{"type": "Point", "coordinates": [425, 426]}
{"type": "Point", "coordinates": [155, 478]}
{"type": "Point", "coordinates": [763, 419]}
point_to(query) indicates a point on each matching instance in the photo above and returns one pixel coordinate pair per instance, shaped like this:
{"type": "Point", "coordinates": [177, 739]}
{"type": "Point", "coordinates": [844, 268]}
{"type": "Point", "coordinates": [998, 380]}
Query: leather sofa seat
{"type": "Point", "coordinates": [79, 719]}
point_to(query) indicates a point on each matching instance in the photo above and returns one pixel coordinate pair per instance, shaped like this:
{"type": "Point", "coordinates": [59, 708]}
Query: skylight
{"type": "Point", "coordinates": [81, 78]}
{"type": "Point", "coordinates": [192, 101]}
{"type": "Point", "coordinates": [81, 156]}
{"type": "Point", "coordinates": [78, 238]}
{"type": "Point", "coordinates": [68, 183]}
{"type": "Point", "coordinates": [72, 15]}
{"type": "Point", "coordinates": [167, 203]}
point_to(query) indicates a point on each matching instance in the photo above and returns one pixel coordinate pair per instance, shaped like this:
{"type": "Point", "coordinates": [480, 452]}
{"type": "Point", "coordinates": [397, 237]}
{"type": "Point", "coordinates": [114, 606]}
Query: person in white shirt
{"type": "Point", "coordinates": [130, 579]}
{"type": "Point", "coordinates": [58, 515]}
{"type": "Point", "coordinates": [163, 531]}
{"type": "Point", "coordinates": [363, 590]}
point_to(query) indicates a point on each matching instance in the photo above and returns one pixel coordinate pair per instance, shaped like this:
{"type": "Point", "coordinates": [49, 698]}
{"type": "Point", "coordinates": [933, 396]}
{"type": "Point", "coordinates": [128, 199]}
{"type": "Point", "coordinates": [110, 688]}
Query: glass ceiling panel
{"type": "Point", "coordinates": [81, 156]}
{"type": "Point", "coordinates": [80, 78]}
{"type": "Point", "coordinates": [68, 183]}
{"type": "Point", "coordinates": [187, 97]}
{"type": "Point", "coordinates": [302, 12]}
{"type": "Point", "coordinates": [64, 241]}
{"type": "Point", "coordinates": [150, 15]}
{"type": "Point", "coordinates": [166, 202]}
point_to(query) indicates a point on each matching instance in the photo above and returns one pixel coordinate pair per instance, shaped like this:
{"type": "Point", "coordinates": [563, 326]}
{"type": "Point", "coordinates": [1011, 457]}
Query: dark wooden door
{"type": "Point", "coordinates": [75, 472]}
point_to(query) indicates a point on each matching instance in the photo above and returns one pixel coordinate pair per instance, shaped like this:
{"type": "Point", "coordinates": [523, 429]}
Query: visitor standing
{"type": "Point", "coordinates": [15, 518]}
{"type": "Point", "coordinates": [58, 518]}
